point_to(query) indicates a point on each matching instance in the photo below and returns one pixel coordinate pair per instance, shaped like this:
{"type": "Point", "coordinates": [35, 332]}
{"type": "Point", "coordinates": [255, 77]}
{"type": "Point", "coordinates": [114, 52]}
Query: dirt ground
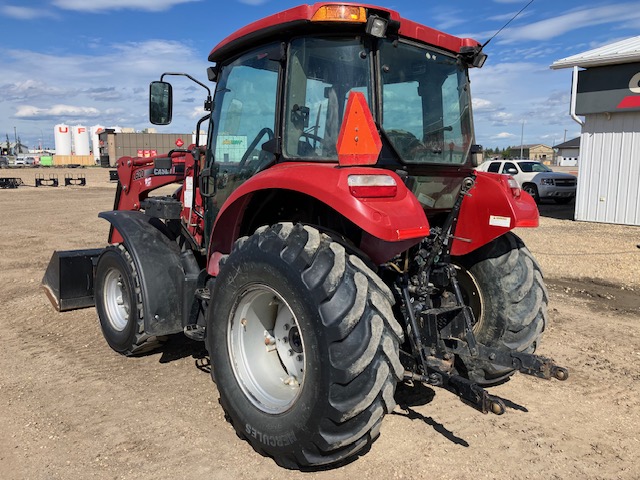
{"type": "Point", "coordinates": [70, 408]}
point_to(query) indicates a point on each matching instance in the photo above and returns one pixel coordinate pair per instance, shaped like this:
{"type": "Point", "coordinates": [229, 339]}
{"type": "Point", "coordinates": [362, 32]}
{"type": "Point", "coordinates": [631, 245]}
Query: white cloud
{"type": "Point", "coordinates": [505, 93]}
{"type": "Point", "coordinates": [505, 17]}
{"type": "Point", "coordinates": [25, 13]}
{"type": "Point", "coordinates": [480, 104]}
{"type": "Point", "coordinates": [26, 111]}
{"type": "Point", "coordinates": [573, 20]}
{"type": "Point", "coordinates": [30, 88]}
{"type": "Point", "coordinates": [196, 113]}
{"type": "Point", "coordinates": [501, 118]}
{"type": "Point", "coordinates": [446, 18]}
{"type": "Point", "coordinates": [503, 135]}
{"type": "Point", "coordinates": [106, 5]}
{"type": "Point", "coordinates": [108, 86]}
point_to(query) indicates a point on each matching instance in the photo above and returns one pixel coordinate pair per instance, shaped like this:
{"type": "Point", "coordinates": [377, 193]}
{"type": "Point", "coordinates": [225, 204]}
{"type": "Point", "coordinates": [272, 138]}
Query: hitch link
{"type": "Point", "coordinates": [469, 392]}
{"type": "Point", "coordinates": [527, 363]}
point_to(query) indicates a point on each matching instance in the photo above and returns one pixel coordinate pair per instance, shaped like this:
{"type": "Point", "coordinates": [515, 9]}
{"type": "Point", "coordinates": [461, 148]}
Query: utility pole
{"type": "Point", "coordinates": [565, 135]}
{"type": "Point", "coordinates": [15, 139]}
{"type": "Point", "coordinates": [522, 141]}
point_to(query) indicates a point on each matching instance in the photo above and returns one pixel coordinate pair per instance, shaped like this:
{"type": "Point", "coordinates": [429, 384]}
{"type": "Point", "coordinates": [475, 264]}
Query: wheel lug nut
{"type": "Point", "coordinates": [286, 326]}
{"type": "Point", "coordinates": [299, 358]}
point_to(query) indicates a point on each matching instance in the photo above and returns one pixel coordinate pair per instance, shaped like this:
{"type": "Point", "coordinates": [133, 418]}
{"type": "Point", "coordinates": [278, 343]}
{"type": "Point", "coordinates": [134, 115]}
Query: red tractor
{"type": "Point", "coordinates": [330, 241]}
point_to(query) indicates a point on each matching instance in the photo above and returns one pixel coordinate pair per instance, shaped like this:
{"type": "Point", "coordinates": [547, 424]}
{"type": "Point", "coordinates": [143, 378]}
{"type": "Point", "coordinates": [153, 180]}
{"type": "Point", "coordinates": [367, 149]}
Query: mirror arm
{"type": "Point", "coordinates": [208, 103]}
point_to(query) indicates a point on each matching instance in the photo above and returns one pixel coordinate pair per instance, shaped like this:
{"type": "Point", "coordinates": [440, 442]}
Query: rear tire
{"type": "Point", "coordinates": [504, 286]}
{"type": "Point", "coordinates": [304, 346]}
{"type": "Point", "coordinates": [119, 303]}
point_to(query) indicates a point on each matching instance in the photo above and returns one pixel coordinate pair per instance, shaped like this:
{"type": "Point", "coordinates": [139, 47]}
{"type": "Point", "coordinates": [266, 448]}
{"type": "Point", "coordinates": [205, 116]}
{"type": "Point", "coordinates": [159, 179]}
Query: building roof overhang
{"type": "Point", "coordinates": [624, 51]}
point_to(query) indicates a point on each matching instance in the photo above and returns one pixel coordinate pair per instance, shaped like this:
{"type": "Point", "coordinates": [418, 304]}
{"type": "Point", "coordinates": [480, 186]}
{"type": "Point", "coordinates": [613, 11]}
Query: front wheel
{"type": "Point", "coordinates": [304, 346]}
{"type": "Point", "coordinates": [532, 190]}
{"type": "Point", "coordinates": [118, 300]}
{"type": "Point", "coordinates": [503, 285]}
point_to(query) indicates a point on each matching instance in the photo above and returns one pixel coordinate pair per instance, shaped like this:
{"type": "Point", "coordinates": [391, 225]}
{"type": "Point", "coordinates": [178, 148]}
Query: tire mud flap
{"type": "Point", "coordinates": [157, 260]}
{"type": "Point", "coordinates": [68, 280]}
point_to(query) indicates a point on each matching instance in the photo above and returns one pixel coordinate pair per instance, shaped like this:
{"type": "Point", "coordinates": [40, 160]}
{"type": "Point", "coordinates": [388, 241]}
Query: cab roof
{"type": "Point", "coordinates": [299, 18]}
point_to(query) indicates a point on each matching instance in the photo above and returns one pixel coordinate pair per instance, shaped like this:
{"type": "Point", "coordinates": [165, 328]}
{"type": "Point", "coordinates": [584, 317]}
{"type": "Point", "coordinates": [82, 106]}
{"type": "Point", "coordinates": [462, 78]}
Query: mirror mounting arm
{"type": "Point", "coordinates": [208, 102]}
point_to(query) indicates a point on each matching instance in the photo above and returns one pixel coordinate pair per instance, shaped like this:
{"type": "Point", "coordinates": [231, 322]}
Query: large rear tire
{"type": "Point", "coordinates": [304, 346]}
{"type": "Point", "coordinates": [504, 286]}
{"type": "Point", "coordinates": [118, 300]}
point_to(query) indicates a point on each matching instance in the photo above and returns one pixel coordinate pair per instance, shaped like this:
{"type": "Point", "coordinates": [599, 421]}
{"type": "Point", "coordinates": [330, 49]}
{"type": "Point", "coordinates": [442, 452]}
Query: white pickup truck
{"type": "Point", "coordinates": [536, 179]}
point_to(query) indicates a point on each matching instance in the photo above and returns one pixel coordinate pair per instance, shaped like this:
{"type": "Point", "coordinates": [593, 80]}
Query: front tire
{"type": "Point", "coordinates": [503, 285]}
{"type": "Point", "coordinates": [118, 300]}
{"type": "Point", "coordinates": [304, 346]}
{"type": "Point", "coordinates": [532, 190]}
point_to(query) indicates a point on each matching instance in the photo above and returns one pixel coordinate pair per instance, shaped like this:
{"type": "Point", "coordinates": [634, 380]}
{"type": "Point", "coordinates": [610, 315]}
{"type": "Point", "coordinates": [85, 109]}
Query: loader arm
{"type": "Point", "coordinates": [138, 177]}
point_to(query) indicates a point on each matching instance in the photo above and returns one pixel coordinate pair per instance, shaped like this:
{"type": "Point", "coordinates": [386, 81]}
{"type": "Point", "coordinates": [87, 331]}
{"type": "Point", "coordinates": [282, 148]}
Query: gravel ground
{"type": "Point", "coordinates": [70, 408]}
{"type": "Point", "coordinates": [584, 250]}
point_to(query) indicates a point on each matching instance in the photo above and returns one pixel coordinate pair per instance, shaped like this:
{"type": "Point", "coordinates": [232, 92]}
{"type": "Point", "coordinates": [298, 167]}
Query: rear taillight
{"type": "Point", "coordinates": [513, 185]}
{"type": "Point", "coordinates": [372, 186]}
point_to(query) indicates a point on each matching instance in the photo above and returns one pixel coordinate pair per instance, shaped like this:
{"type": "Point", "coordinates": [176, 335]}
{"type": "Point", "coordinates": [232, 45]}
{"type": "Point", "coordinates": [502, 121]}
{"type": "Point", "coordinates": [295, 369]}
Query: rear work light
{"type": "Point", "coordinates": [514, 186]}
{"type": "Point", "coordinates": [372, 186]}
{"type": "Point", "coordinates": [340, 13]}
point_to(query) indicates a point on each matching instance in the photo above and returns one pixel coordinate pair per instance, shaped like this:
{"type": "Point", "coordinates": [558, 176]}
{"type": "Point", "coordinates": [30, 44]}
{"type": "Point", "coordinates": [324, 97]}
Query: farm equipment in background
{"type": "Point", "coordinates": [42, 181]}
{"type": "Point", "coordinates": [332, 238]}
{"type": "Point", "coordinates": [10, 182]}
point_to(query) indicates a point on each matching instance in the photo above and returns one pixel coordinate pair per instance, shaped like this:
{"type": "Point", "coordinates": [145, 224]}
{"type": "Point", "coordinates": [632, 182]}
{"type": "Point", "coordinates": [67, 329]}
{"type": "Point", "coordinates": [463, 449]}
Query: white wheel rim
{"type": "Point", "coordinates": [266, 349]}
{"type": "Point", "coordinates": [116, 300]}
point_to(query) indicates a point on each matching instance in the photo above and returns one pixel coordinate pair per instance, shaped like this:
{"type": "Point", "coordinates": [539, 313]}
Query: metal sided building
{"type": "Point", "coordinates": [606, 92]}
{"type": "Point", "coordinates": [114, 145]}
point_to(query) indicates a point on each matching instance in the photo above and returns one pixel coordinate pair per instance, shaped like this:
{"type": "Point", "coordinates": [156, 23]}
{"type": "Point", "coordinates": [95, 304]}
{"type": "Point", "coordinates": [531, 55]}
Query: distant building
{"type": "Point", "coordinates": [114, 144]}
{"type": "Point", "coordinates": [14, 149]}
{"type": "Point", "coordinates": [606, 91]}
{"type": "Point", "coordinates": [568, 153]}
{"type": "Point", "coordinates": [537, 151]}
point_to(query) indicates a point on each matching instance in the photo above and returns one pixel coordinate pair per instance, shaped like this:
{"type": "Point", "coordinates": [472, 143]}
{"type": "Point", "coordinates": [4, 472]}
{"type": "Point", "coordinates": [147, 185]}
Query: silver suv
{"type": "Point", "coordinates": [4, 162]}
{"type": "Point", "coordinates": [536, 179]}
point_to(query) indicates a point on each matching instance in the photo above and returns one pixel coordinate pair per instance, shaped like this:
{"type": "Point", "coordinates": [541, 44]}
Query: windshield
{"type": "Point", "coordinates": [425, 104]}
{"type": "Point", "coordinates": [532, 167]}
{"type": "Point", "coordinates": [424, 111]}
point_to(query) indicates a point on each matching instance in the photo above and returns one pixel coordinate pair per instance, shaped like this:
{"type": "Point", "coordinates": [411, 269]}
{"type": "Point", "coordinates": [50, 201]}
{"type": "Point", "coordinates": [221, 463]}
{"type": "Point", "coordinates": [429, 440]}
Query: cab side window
{"type": "Point", "coordinates": [244, 115]}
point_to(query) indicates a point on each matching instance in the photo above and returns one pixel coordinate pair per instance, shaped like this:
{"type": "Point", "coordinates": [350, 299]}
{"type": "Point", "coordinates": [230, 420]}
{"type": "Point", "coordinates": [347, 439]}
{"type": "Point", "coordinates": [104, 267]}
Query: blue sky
{"type": "Point", "coordinates": [90, 62]}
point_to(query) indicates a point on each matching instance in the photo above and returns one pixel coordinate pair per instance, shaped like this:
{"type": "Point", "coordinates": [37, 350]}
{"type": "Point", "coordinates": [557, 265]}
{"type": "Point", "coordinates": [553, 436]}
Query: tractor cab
{"type": "Point", "coordinates": [282, 86]}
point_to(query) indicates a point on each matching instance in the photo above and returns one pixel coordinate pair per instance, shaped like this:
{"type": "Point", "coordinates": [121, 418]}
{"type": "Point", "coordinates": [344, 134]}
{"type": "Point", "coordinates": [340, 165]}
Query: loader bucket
{"type": "Point", "coordinates": [68, 281]}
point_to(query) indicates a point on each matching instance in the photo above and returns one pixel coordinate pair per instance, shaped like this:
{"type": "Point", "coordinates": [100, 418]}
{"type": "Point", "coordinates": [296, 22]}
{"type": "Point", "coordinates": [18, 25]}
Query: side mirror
{"type": "Point", "coordinates": [477, 155]}
{"type": "Point", "coordinates": [512, 171]}
{"type": "Point", "coordinates": [160, 103]}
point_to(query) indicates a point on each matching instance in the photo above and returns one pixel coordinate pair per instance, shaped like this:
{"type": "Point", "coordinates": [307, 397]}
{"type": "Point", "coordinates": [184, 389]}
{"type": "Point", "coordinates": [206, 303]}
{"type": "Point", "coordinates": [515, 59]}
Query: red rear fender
{"type": "Point", "coordinates": [397, 219]}
{"type": "Point", "coordinates": [491, 210]}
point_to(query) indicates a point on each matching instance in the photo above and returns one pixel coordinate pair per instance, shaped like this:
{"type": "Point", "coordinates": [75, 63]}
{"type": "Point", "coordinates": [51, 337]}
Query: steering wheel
{"type": "Point", "coordinates": [305, 145]}
{"type": "Point", "coordinates": [254, 144]}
